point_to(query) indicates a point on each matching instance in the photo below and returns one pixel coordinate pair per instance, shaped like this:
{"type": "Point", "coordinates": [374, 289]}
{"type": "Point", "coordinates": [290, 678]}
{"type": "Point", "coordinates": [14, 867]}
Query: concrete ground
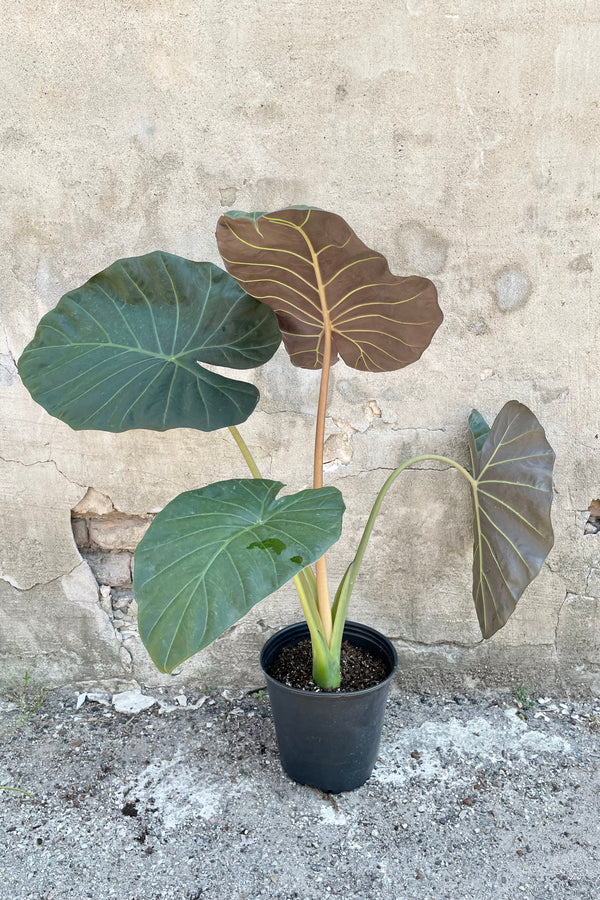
{"type": "Point", "coordinates": [473, 797]}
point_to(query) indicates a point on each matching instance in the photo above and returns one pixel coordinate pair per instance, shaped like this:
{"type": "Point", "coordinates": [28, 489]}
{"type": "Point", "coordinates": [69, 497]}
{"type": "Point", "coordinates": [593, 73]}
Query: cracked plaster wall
{"type": "Point", "coordinates": [457, 138]}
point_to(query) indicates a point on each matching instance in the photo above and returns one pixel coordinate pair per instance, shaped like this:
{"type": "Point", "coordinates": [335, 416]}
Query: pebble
{"type": "Point", "coordinates": [132, 702]}
{"type": "Point", "coordinates": [94, 697]}
{"type": "Point", "coordinates": [231, 695]}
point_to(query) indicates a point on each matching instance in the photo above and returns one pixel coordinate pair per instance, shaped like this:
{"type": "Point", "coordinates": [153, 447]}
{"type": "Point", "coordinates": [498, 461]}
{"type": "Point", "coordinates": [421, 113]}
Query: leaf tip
{"type": "Point", "coordinates": [478, 428]}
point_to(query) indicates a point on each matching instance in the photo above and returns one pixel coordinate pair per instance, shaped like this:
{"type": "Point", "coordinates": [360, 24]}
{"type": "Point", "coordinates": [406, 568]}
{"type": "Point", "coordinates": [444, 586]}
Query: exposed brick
{"type": "Point", "coordinates": [110, 568]}
{"type": "Point", "coordinates": [122, 598]}
{"type": "Point", "coordinates": [80, 532]}
{"type": "Point", "coordinates": [124, 605]}
{"type": "Point", "coordinates": [118, 531]}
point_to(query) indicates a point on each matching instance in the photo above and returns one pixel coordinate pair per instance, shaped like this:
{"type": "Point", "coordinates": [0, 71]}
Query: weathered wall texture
{"type": "Point", "coordinates": [460, 139]}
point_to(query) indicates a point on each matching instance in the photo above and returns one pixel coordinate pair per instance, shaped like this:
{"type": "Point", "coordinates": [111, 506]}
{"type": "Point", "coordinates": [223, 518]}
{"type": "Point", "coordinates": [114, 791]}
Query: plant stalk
{"type": "Point", "coordinates": [342, 597]}
{"type": "Point", "coordinates": [304, 581]}
{"type": "Point", "coordinates": [323, 601]}
{"type": "Point", "coordinates": [245, 452]}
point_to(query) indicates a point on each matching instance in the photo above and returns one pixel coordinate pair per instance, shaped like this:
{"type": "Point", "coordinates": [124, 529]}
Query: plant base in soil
{"type": "Point", "coordinates": [360, 669]}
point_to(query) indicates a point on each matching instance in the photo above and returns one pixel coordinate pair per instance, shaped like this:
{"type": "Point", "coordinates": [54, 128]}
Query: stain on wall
{"type": "Point", "coordinates": [512, 289]}
{"type": "Point", "coordinates": [582, 263]}
{"type": "Point", "coordinates": [420, 249]}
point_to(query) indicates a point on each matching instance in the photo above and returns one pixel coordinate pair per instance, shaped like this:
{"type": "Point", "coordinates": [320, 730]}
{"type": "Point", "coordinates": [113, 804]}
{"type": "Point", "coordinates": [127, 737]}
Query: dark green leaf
{"type": "Point", "coordinates": [511, 512]}
{"type": "Point", "coordinates": [122, 351]}
{"type": "Point", "coordinates": [479, 429]}
{"type": "Point", "coordinates": [211, 554]}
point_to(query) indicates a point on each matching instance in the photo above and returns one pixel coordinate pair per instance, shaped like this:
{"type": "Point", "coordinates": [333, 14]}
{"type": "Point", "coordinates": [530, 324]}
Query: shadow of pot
{"type": "Point", "coordinates": [329, 740]}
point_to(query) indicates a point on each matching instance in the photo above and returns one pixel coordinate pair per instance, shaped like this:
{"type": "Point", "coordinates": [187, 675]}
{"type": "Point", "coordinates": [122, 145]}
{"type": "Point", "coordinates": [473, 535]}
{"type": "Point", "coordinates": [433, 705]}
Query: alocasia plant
{"type": "Point", "coordinates": [126, 351]}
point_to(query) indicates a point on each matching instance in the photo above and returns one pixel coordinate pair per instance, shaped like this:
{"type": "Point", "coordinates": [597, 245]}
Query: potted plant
{"type": "Point", "coordinates": [126, 350]}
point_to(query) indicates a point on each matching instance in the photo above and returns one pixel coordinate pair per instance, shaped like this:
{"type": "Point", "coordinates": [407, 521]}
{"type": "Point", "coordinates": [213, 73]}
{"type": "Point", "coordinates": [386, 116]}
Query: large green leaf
{"type": "Point", "coordinates": [211, 554]}
{"type": "Point", "coordinates": [511, 512]}
{"type": "Point", "coordinates": [122, 351]}
{"type": "Point", "coordinates": [311, 268]}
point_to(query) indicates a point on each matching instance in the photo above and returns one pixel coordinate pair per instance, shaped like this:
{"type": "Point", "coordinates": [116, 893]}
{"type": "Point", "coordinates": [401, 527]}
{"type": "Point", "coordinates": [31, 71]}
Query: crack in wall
{"type": "Point", "coordinates": [364, 472]}
{"type": "Point", "coordinates": [125, 654]}
{"type": "Point", "coordinates": [432, 645]}
{"type": "Point", "coordinates": [568, 596]}
{"type": "Point", "coordinates": [42, 462]}
{"type": "Point", "coordinates": [592, 575]}
{"type": "Point", "coordinates": [38, 584]}
{"type": "Point", "coordinates": [399, 429]}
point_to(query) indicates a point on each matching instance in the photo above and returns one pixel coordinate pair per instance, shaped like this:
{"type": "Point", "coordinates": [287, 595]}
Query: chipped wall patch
{"type": "Point", "coordinates": [373, 410]}
{"type": "Point", "coordinates": [338, 449]}
{"type": "Point", "coordinates": [512, 288]}
{"type": "Point", "coordinates": [8, 371]}
{"type": "Point", "coordinates": [227, 196]}
{"type": "Point", "coordinates": [106, 540]}
{"type": "Point", "coordinates": [93, 504]}
{"type": "Point", "coordinates": [592, 526]}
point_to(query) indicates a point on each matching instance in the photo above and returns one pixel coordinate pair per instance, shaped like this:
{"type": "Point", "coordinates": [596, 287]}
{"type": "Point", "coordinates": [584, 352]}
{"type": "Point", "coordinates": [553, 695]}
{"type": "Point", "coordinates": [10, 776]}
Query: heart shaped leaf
{"type": "Point", "coordinates": [311, 268]}
{"type": "Point", "coordinates": [122, 351]}
{"type": "Point", "coordinates": [511, 511]}
{"type": "Point", "coordinates": [211, 554]}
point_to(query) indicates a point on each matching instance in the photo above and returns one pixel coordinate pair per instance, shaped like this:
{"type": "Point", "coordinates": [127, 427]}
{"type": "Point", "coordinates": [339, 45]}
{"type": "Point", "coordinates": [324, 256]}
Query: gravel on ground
{"type": "Point", "coordinates": [176, 796]}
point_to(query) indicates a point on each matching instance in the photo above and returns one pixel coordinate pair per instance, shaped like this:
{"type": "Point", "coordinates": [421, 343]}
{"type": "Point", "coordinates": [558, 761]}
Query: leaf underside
{"type": "Point", "coordinates": [479, 428]}
{"type": "Point", "coordinates": [511, 512]}
{"type": "Point", "coordinates": [123, 350]}
{"type": "Point", "coordinates": [318, 276]}
{"type": "Point", "coordinates": [211, 554]}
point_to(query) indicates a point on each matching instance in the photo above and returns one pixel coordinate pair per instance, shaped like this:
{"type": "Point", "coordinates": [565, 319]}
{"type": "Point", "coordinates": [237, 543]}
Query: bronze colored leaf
{"type": "Point", "coordinates": [594, 509]}
{"type": "Point", "coordinates": [310, 267]}
{"type": "Point", "coordinates": [512, 496]}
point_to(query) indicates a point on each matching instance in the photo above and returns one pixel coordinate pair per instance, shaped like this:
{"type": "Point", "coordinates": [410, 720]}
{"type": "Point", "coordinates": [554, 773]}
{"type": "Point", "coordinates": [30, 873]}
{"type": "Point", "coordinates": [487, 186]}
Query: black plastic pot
{"type": "Point", "coordinates": [328, 740]}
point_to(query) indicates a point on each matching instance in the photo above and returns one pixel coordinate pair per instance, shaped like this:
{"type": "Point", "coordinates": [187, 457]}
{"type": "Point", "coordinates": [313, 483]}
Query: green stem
{"type": "Point", "coordinates": [344, 591]}
{"type": "Point", "coordinates": [245, 452]}
{"type": "Point", "coordinates": [304, 581]}
{"type": "Point", "coordinates": [5, 787]}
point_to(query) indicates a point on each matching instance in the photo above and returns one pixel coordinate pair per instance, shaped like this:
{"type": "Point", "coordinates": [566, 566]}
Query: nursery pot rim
{"type": "Point", "coordinates": [321, 692]}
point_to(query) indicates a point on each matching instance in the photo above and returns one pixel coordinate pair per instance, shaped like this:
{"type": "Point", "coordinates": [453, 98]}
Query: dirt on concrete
{"type": "Point", "coordinates": [474, 797]}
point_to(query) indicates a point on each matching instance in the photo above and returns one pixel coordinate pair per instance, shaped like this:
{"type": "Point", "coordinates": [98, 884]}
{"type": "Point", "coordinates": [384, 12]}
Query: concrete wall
{"type": "Point", "coordinates": [458, 138]}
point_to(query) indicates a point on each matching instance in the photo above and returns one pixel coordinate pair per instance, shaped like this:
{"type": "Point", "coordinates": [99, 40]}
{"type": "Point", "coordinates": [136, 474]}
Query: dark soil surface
{"type": "Point", "coordinates": [472, 798]}
{"type": "Point", "coordinates": [360, 669]}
